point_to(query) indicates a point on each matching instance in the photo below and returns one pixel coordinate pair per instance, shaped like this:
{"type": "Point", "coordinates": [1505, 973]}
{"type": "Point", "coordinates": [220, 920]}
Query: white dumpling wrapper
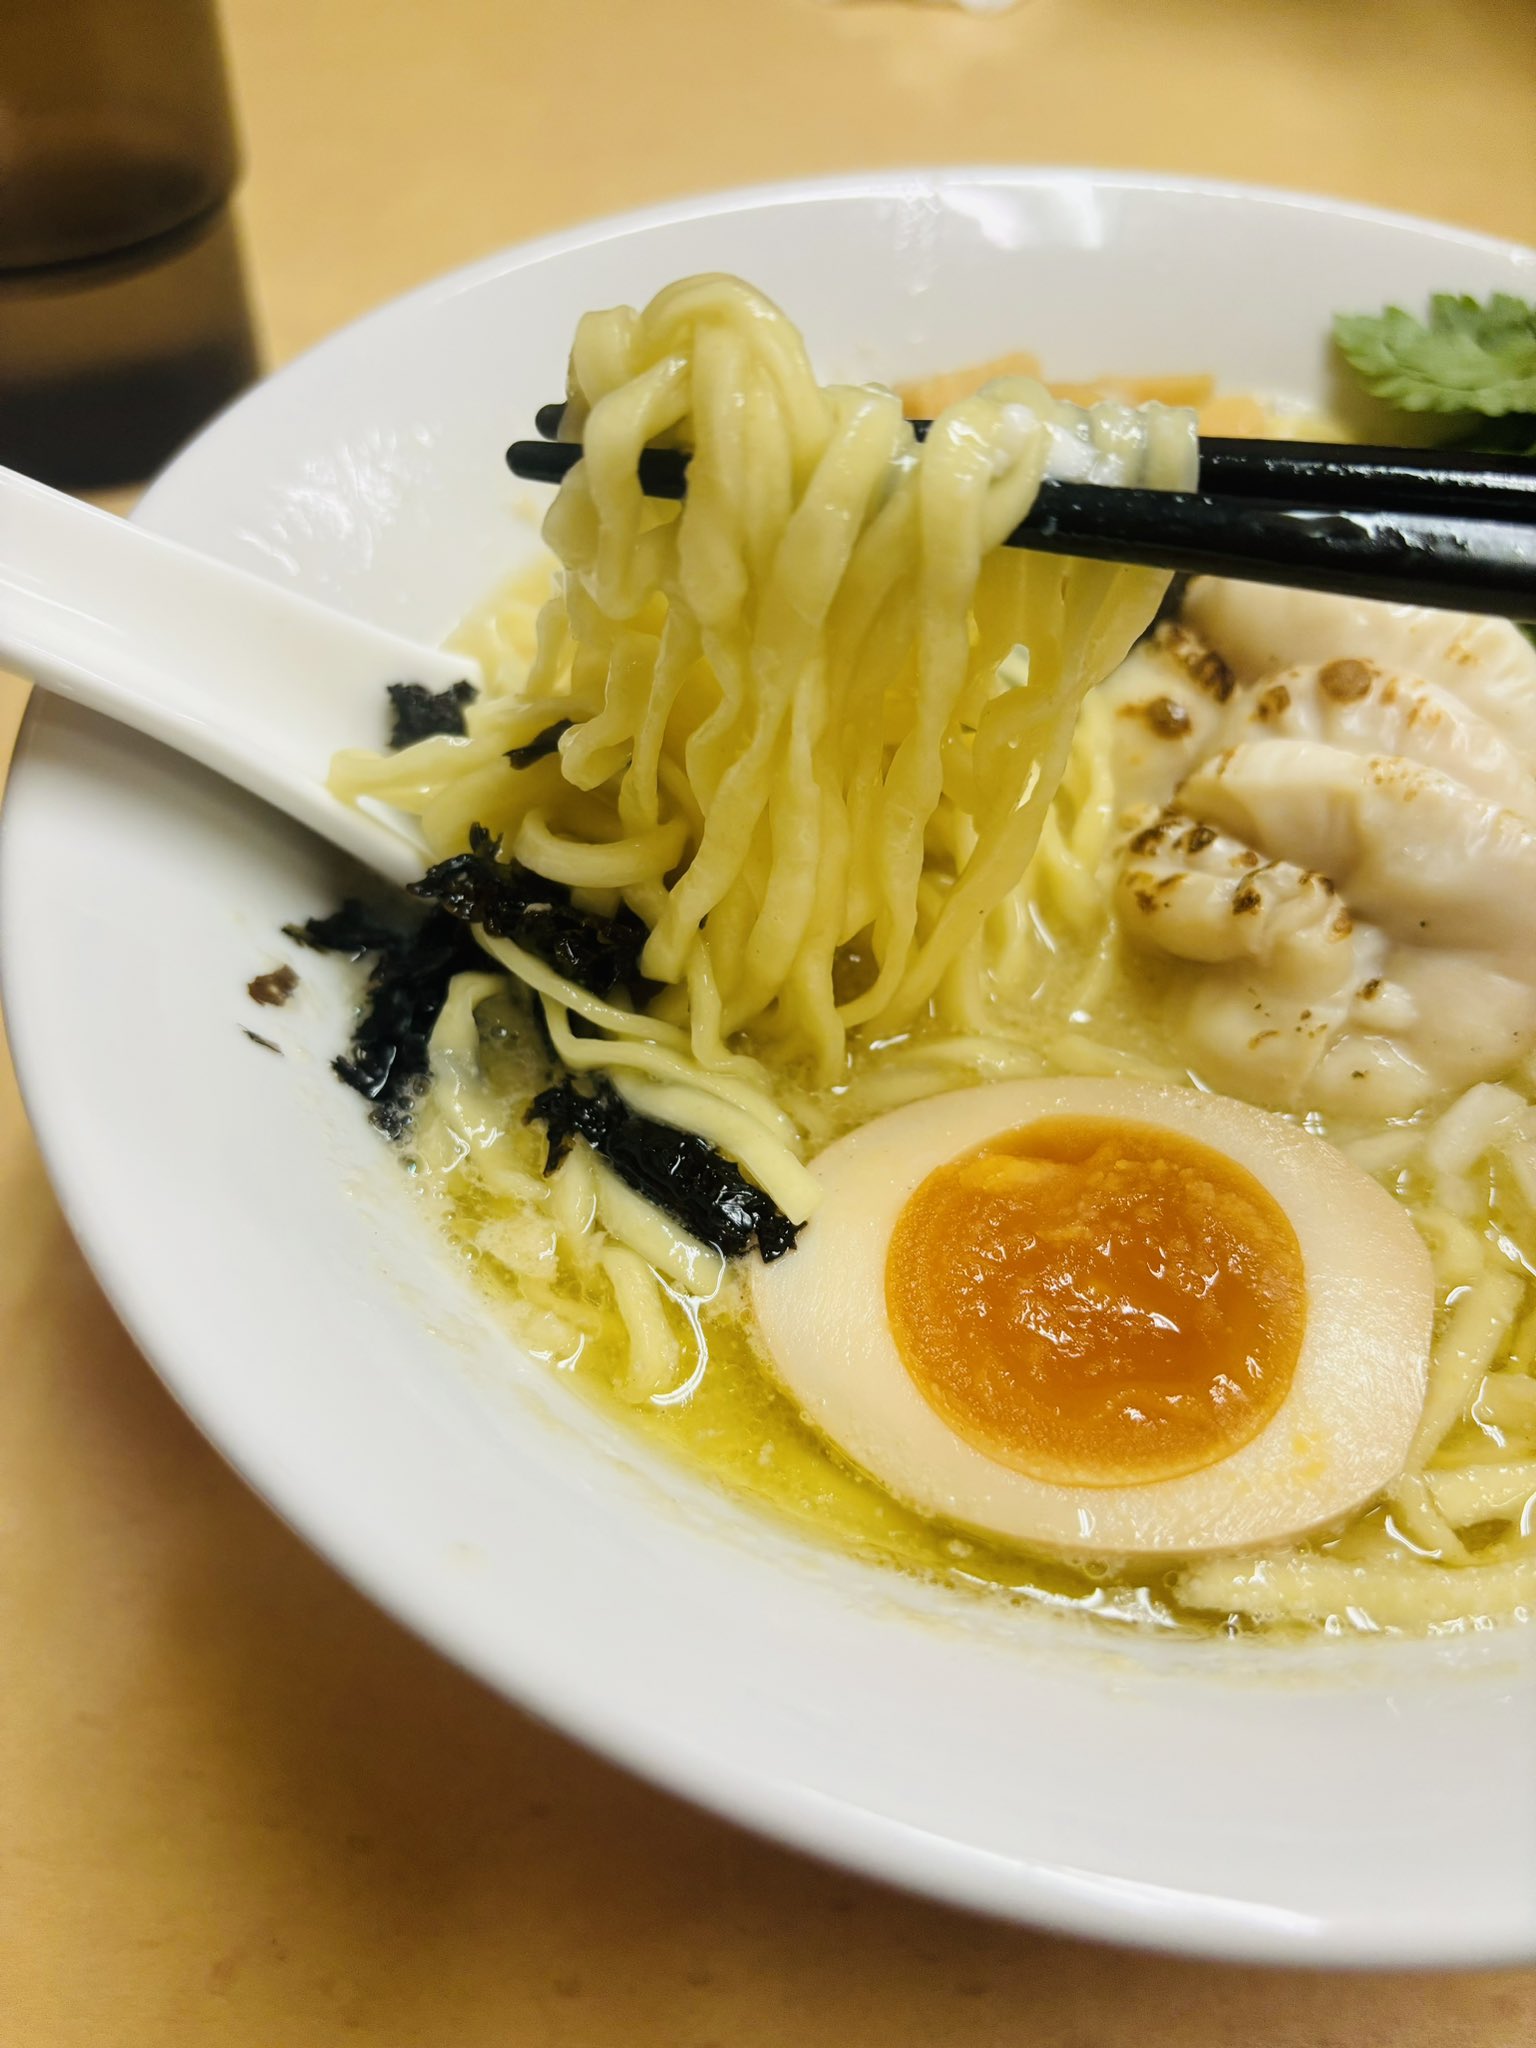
{"type": "Point", "coordinates": [1343, 850]}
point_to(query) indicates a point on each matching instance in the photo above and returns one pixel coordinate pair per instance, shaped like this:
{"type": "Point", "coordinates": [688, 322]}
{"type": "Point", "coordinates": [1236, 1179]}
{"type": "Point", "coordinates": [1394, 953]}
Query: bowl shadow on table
{"type": "Point", "coordinates": [296, 1809]}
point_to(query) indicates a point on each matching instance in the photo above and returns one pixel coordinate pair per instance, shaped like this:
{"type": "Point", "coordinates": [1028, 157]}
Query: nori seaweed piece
{"type": "Point", "coordinates": [541, 745]}
{"type": "Point", "coordinates": [677, 1170]}
{"type": "Point", "coordinates": [387, 1060]}
{"type": "Point", "coordinates": [423, 714]}
{"type": "Point", "coordinates": [353, 930]}
{"type": "Point", "coordinates": [511, 902]}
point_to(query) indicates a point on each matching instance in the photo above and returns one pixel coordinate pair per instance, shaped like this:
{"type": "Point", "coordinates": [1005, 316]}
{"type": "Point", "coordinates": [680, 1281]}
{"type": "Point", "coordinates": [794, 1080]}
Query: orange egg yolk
{"type": "Point", "coordinates": [1096, 1302]}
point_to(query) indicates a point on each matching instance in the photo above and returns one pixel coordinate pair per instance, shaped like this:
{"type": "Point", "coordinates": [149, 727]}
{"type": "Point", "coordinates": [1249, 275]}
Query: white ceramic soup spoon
{"type": "Point", "coordinates": [245, 677]}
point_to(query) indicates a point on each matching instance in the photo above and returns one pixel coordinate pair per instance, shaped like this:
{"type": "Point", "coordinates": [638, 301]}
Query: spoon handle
{"type": "Point", "coordinates": [252, 680]}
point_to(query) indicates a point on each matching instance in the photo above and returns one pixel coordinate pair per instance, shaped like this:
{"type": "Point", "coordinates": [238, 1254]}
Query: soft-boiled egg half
{"type": "Point", "coordinates": [1105, 1316]}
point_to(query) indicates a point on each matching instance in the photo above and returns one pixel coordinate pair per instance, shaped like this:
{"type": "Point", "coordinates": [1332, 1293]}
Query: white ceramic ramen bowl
{"type": "Point", "coordinates": [1354, 1801]}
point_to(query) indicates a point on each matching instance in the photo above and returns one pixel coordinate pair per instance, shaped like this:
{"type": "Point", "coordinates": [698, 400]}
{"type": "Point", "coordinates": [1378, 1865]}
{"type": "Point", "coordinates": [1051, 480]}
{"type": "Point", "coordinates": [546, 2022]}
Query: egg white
{"type": "Point", "coordinates": [1342, 1432]}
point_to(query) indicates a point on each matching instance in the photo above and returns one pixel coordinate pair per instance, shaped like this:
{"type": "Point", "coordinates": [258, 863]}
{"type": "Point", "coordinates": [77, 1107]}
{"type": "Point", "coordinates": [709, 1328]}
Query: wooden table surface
{"type": "Point", "coordinates": [237, 1805]}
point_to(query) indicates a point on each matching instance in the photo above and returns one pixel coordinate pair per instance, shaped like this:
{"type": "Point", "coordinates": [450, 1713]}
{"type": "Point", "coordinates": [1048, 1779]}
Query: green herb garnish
{"type": "Point", "coordinates": [1467, 358]}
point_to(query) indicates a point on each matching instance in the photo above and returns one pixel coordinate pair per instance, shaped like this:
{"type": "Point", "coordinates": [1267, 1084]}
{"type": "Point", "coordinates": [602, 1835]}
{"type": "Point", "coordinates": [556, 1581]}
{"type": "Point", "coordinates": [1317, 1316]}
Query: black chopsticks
{"type": "Point", "coordinates": [1417, 526]}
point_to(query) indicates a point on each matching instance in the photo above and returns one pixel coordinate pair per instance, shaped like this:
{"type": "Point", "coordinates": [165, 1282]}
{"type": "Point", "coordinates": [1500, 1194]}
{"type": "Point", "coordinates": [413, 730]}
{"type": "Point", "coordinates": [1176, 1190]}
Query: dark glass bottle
{"type": "Point", "coordinates": [123, 315]}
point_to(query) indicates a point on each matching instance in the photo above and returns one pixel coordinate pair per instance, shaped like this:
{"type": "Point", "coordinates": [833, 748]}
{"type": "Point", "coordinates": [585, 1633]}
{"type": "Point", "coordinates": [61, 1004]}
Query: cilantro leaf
{"type": "Point", "coordinates": [1467, 358]}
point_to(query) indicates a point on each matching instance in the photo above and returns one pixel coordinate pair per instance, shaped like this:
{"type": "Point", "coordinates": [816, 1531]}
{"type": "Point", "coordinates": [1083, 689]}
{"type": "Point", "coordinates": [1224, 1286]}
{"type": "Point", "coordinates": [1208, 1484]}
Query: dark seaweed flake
{"type": "Point", "coordinates": [677, 1170]}
{"type": "Point", "coordinates": [541, 746]}
{"type": "Point", "coordinates": [387, 1061]}
{"type": "Point", "coordinates": [423, 714]}
{"type": "Point", "coordinates": [353, 930]}
{"type": "Point", "coordinates": [511, 902]}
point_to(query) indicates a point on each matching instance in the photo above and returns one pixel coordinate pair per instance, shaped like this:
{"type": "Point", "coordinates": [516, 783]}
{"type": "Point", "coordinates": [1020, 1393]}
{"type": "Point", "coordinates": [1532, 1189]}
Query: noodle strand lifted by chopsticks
{"type": "Point", "coordinates": [798, 723]}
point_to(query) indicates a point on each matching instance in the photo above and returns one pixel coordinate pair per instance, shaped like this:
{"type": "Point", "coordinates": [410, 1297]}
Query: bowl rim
{"type": "Point", "coordinates": [1052, 1896]}
{"type": "Point", "coordinates": [887, 181]}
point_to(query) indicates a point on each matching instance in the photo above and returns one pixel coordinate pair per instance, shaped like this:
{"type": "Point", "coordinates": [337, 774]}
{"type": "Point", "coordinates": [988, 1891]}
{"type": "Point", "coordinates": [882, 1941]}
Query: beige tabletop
{"type": "Point", "coordinates": [237, 1805]}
